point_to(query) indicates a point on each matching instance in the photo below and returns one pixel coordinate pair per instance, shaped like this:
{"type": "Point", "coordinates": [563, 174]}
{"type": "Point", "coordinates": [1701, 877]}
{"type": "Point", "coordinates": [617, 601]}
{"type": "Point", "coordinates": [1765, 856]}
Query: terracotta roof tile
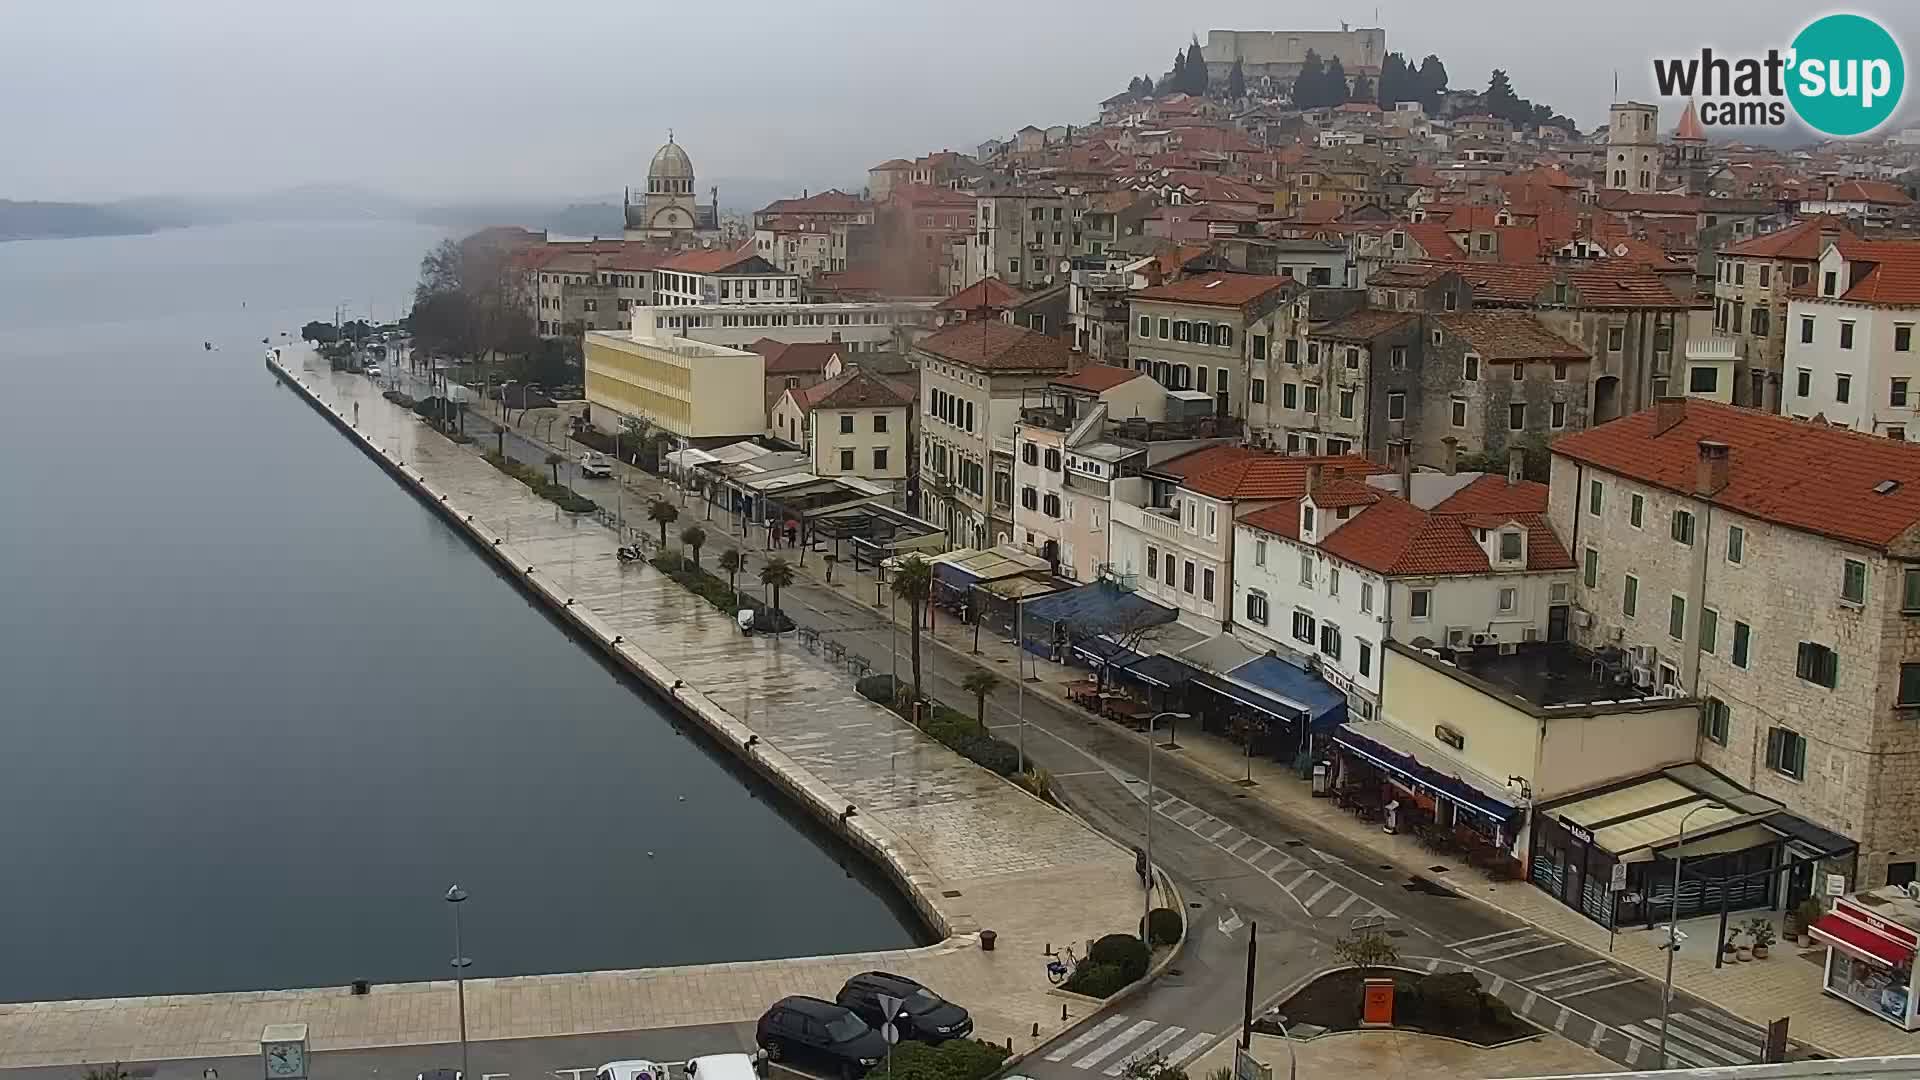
{"type": "Point", "coordinates": [1255, 474]}
{"type": "Point", "coordinates": [795, 358]}
{"type": "Point", "coordinates": [1509, 335]}
{"type": "Point", "coordinates": [1363, 325]}
{"type": "Point", "coordinates": [1796, 473]}
{"type": "Point", "coordinates": [1892, 275]}
{"type": "Point", "coordinates": [826, 202]}
{"type": "Point", "coordinates": [997, 346]}
{"type": "Point", "coordinates": [1870, 191]}
{"type": "Point", "coordinates": [985, 293]}
{"type": "Point", "coordinates": [1223, 290]}
{"type": "Point", "coordinates": [856, 390]}
{"type": "Point", "coordinates": [715, 261]}
{"type": "Point", "coordinates": [1801, 240]}
{"type": "Point", "coordinates": [1097, 378]}
{"type": "Point", "coordinates": [1280, 519]}
{"type": "Point", "coordinates": [1492, 494]}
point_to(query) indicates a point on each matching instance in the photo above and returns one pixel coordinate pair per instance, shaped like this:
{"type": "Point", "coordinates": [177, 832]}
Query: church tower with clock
{"type": "Point", "coordinates": [667, 210]}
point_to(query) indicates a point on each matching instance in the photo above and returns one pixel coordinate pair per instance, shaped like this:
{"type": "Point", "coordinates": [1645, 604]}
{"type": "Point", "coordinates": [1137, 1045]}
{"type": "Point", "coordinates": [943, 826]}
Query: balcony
{"type": "Point", "coordinates": [1148, 521]}
{"type": "Point", "coordinates": [1104, 280]}
{"type": "Point", "coordinates": [1052, 419]}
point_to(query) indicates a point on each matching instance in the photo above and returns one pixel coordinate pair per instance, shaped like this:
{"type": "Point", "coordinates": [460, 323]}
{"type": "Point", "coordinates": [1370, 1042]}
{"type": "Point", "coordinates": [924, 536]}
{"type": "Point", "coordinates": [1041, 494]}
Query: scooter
{"type": "Point", "coordinates": [630, 553]}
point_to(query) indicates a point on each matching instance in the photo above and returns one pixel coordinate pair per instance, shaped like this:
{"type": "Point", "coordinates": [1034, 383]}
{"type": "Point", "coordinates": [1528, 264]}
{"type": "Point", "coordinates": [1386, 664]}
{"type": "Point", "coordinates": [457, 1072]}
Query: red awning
{"type": "Point", "coordinates": [1853, 938]}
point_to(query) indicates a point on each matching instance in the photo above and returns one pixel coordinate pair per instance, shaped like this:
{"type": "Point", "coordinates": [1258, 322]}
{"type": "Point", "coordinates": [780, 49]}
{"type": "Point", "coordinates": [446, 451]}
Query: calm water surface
{"type": "Point", "coordinates": [258, 707]}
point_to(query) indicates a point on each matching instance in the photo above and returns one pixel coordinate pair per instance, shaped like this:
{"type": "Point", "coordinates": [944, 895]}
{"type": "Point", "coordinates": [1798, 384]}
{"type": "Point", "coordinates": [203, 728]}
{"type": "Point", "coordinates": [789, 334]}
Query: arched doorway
{"type": "Point", "coordinates": [1606, 398]}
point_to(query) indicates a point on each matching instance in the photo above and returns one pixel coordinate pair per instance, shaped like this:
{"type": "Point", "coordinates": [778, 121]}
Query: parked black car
{"type": "Point", "coordinates": [926, 1016]}
{"type": "Point", "coordinates": [801, 1027]}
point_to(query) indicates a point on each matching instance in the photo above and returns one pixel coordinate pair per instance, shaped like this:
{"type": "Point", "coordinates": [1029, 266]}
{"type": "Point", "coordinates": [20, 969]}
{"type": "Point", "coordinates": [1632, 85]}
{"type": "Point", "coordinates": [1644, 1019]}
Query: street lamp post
{"type": "Point", "coordinates": [456, 896]}
{"type": "Point", "coordinates": [1673, 926]}
{"type": "Point", "coordinates": [1146, 899]}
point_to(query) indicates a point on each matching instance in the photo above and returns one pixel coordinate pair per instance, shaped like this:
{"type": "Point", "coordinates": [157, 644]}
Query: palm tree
{"type": "Point", "coordinates": [981, 684]}
{"type": "Point", "coordinates": [663, 511]}
{"type": "Point", "coordinates": [733, 562]}
{"type": "Point", "coordinates": [694, 536]}
{"type": "Point", "coordinates": [913, 582]}
{"type": "Point", "coordinates": [776, 575]}
{"type": "Point", "coordinates": [554, 461]}
{"type": "Point", "coordinates": [106, 1072]}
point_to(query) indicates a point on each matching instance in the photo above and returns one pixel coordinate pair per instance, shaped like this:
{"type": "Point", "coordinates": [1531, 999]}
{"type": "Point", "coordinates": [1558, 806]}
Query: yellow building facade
{"type": "Point", "coordinates": [690, 388]}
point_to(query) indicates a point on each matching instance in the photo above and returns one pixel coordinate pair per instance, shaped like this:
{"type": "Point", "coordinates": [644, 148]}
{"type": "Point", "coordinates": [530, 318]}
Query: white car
{"type": "Point", "coordinates": [727, 1067]}
{"type": "Point", "coordinates": [595, 466]}
{"type": "Point", "coordinates": [373, 371]}
{"type": "Point", "coordinates": [633, 1069]}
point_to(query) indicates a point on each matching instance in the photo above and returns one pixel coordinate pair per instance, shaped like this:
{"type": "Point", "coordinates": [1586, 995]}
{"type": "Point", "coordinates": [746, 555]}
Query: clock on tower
{"type": "Point", "coordinates": [283, 1051]}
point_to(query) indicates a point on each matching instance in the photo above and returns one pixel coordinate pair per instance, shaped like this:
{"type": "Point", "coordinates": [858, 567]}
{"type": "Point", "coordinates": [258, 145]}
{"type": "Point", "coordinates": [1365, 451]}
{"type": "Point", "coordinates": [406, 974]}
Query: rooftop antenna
{"type": "Point", "coordinates": [1616, 84]}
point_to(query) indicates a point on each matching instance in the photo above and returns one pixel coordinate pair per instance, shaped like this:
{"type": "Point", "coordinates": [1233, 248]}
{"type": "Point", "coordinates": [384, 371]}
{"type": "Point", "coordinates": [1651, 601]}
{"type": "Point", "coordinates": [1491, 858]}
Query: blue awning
{"type": "Point", "coordinates": [1394, 750]}
{"type": "Point", "coordinates": [1101, 650]}
{"type": "Point", "coordinates": [1253, 698]}
{"type": "Point", "coordinates": [1159, 670]}
{"type": "Point", "coordinates": [1095, 606]}
{"type": "Point", "coordinates": [1324, 705]}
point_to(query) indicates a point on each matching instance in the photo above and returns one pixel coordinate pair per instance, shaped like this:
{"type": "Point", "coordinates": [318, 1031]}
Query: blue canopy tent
{"type": "Point", "coordinates": [1080, 616]}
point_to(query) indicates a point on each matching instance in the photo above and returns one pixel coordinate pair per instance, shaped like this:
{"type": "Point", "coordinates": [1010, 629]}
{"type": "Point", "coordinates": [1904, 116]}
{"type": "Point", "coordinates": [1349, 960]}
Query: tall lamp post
{"type": "Point", "coordinates": [457, 896]}
{"type": "Point", "coordinates": [1146, 893]}
{"type": "Point", "coordinates": [1673, 925]}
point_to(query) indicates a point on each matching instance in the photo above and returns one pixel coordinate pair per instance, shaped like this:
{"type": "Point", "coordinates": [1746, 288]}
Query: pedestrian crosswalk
{"type": "Point", "coordinates": [1507, 944]}
{"type": "Point", "coordinates": [1316, 892]}
{"type": "Point", "coordinates": [1702, 1039]}
{"type": "Point", "coordinates": [1109, 1045]}
{"type": "Point", "coordinates": [1575, 980]}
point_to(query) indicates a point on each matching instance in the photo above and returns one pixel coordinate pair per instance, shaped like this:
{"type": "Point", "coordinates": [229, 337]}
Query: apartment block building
{"type": "Point", "coordinates": [1025, 236]}
{"type": "Point", "coordinates": [1753, 281]}
{"type": "Point", "coordinates": [1851, 357]}
{"type": "Point", "coordinates": [974, 376]}
{"type": "Point", "coordinates": [1205, 334]}
{"type": "Point", "coordinates": [722, 276]}
{"type": "Point", "coordinates": [691, 389]}
{"type": "Point", "coordinates": [1769, 567]}
{"type": "Point", "coordinates": [1350, 564]}
{"type": "Point", "coordinates": [853, 425]}
{"type": "Point", "coordinates": [883, 326]}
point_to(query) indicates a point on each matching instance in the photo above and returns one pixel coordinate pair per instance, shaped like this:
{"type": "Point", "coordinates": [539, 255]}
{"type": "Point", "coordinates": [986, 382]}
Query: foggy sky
{"type": "Point", "coordinates": [468, 99]}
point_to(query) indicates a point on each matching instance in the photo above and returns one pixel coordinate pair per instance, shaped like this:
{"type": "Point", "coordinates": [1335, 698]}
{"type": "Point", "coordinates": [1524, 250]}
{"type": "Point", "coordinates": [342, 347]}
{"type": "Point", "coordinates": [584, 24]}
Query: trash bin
{"type": "Point", "coordinates": [1322, 779]}
{"type": "Point", "coordinates": [987, 938]}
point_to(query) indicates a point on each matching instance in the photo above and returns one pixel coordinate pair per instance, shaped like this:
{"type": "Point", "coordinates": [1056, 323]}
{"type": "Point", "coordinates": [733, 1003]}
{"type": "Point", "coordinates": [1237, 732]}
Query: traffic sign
{"type": "Point", "coordinates": [1618, 883]}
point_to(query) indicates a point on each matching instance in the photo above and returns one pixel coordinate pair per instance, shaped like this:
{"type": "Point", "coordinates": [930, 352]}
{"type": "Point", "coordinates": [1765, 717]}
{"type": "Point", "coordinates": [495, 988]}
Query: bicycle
{"type": "Point", "coordinates": [1060, 966]}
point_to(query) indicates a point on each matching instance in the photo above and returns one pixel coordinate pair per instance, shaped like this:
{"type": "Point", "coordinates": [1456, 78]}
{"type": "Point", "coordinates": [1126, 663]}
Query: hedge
{"type": "Point", "coordinates": [570, 501]}
{"type": "Point", "coordinates": [1124, 951]}
{"type": "Point", "coordinates": [956, 1059]}
{"type": "Point", "coordinates": [714, 591]}
{"type": "Point", "coordinates": [1163, 926]}
{"type": "Point", "coordinates": [1096, 980]}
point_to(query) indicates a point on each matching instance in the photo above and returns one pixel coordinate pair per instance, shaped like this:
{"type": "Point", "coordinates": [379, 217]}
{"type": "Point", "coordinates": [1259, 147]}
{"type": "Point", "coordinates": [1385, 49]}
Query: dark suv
{"type": "Point", "coordinates": [924, 1016]}
{"type": "Point", "coordinates": [808, 1028]}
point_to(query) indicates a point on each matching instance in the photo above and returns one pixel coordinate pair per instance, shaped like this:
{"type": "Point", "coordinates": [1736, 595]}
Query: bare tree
{"type": "Point", "coordinates": [1133, 627]}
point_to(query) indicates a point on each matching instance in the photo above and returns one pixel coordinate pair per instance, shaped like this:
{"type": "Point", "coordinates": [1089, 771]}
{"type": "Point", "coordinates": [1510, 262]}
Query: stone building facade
{"type": "Point", "coordinates": [1795, 620]}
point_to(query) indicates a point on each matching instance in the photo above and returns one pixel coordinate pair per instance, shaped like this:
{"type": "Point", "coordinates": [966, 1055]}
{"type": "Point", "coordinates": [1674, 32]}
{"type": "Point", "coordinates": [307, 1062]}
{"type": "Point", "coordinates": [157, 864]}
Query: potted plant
{"type": "Point", "coordinates": [1809, 912]}
{"type": "Point", "coordinates": [1731, 949]}
{"type": "Point", "coordinates": [1761, 932]}
{"type": "Point", "coordinates": [1742, 948]}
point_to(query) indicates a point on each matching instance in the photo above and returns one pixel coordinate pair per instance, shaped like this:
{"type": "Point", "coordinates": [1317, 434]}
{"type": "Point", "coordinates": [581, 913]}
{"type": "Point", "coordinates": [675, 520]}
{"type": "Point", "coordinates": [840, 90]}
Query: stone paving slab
{"type": "Point", "coordinates": [980, 852]}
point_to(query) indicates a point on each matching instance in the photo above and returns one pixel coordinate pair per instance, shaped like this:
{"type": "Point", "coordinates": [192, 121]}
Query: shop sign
{"type": "Point", "coordinates": [1618, 882]}
{"type": "Point", "coordinates": [1581, 835]}
{"type": "Point", "coordinates": [1836, 885]}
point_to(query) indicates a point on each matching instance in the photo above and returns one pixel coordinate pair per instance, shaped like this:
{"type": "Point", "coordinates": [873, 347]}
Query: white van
{"type": "Point", "coordinates": [595, 466]}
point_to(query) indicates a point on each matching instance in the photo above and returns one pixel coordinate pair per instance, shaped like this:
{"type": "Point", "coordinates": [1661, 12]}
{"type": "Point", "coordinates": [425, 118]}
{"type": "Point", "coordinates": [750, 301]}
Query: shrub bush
{"type": "Point", "coordinates": [879, 689]}
{"type": "Point", "coordinates": [1123, 951]}
{"type": "Point", "coordinates": [1096, 980]}
{"type": "Point", "coordinates": [1163, 926]}
{"type": "Point", "coordinates": [958, 1059]}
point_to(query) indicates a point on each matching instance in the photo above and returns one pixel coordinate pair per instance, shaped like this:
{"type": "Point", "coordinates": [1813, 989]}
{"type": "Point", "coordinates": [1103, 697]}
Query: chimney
{"type": "Point", "coordinates": [1710, 475]}
{"type": "Point", "coordinates": [1404, 447]}
{"type": "Point", "coordinates": [1516, 465]}
{"type": "Point", "coordinates": [1667, 412]}
{"type": "Point", "coordinates": [1452, 462]}
{"type": "Point", "coordinates": [1313, 477]}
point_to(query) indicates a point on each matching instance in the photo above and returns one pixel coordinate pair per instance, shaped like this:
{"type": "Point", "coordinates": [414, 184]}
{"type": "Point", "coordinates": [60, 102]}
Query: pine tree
{"type": "Point", "coordinates": [1146, 85]}
{"type": "Point", "coordinates": [1307, 84]}
{"type": "Point", "coordinates": [1501, 100]}
{"type": "Point", "coordinates": [1176, 83]}
{"type": "Point", "coordinates": [1196, 69]}
{"type": "Point", "coordinates": [1335, 92]}
{"type": "Point", "coordinates": [1363, 90]}
{"type": "Point", "coordinates": [1236, 81]}
{"type": "Point", "coordinates": [1134, 86]}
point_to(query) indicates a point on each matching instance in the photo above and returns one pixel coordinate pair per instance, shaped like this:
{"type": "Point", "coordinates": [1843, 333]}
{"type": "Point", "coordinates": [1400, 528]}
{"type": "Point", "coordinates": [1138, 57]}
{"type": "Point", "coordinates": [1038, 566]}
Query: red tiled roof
{"type": "Point", "coordinates": [1892, 277]}
{"type": "Point", "coordinates": [1217, 289]}
{"type": "Point", "coordinates": [1493, 494]}
{"type": "Point", "coordinates": [1097, 378]}
{"type": "Point", "coordinates": [986, 293]}
{"type": "Point", "coordinates": [1796, 473]}
{"type": "Point", "coordinates": [1342, 490]}
{"type": "Point", "coordinates": [1280, 519]}
{"type": "Point", "coordinates": [997, 346]}
{"type": "Point", "coordinates": [827, 202]}
{"type": "Point", "coordinates": [1650, 202]}
{"type": "Point", "coordinates": [1801, 240]}
{"type": "Point", "coordinates": [1432, 238]}
{"type": "Point", "coordinates": [1509, 335]}
{"type": "Point", "coordinates": [1870, 191]}
{"type": "Point", "coordinates": [1392, 536]}
{"type": "Point", "coordinates": [795, 358]}
{"type": "Point", "coordinates": [712, 262]}
{"type": "Point", "coordinates": [1689, 129]}
{"type": "Point", "coordinates": [1241, 473]}
{"type": "Point", "coordinates": [1363, 325]}
{"type": "Point", "coordinates": [1597, 286]}
{"type": "Point", "coordinates": [854, 390]}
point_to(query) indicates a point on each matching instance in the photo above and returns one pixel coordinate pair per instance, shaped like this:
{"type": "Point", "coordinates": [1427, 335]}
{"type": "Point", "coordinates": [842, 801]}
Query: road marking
{"type": "Point", "coordinates": [1575, 980]}
{"type": "Point", "coordinates": [1351, 899]}
{"type": "Point", "coordinates": [1238, 844]}
{"type": "Point", "coordinates": [1596, 989]}
{"type": "Point", "coordinates": [1145, 1049]}
{"type": "Point", "coordinates": [1527, 1003]}
{"type": "Point", "coordinates": [1698, 1033]}
{"type": "Point", "coordinates": [1433, 965]}
{"type": "Point", "coordinates": [1485, 948]}
{"type": "Point", "coordinates": [1633, 1053]}
{"type": "Point", "coordinates": [1162, 808]}
{"type": "Point", "coordinates": [1499, 984]}
{"type": "Point", "coordinates": [1563, 971]}
{"type": "Point", "coordinates": [1113, 1045]}
{"type": "Point", "coordinates": [1178, 814]}
{"type": "Point", "coordinates": [1265, 850]}
{"type": "Point", "coordinates": [1593, 1040]}
{"type": "Point", "coordinates": [1305, 875]}
{"type": "Point", "coordinates": [1490, 937]}
{"type": "Point", "coordinates": [1523, 952]}
{"type": "Point", "coordinates": [1189, 1048]}
{"type": "Point", "coordinates": [1560, 1025]}
{"type": "Point", "coordinates": [1089, 772]}
{"type": "Point", "coordinates": [1738, 1031]}
{"type": "Point", "coordinates": [1086, 1037]}
{"type": "Point", "coordinates": [1224, 830]}
{"type": "Point", "coordinates": [1675, 1049]}
{"type": "Point", "coordinates": [1318, 893]}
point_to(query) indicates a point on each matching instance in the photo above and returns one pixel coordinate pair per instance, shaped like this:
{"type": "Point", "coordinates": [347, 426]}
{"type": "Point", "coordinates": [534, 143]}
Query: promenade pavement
{"type": "Point", "coordinates": [1786, 985]}
{"type": "Point", "coordinates": [981, 853]}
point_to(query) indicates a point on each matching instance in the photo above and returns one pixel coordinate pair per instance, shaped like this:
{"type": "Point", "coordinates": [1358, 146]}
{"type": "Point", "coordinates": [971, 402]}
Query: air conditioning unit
{"type": "Point", "coordinates": [1913, 890]}
{"type": "Point", "coordinates": [1583, 618]}
{"type": "Point", "coordinates": [1643, 656]}
{"type": "Point", "coordinates": [1508, 648]}
{"type": "Point", "coordinates": [1672, 690]}
{"type": "Point", "coordinates": [1642, 677]}
{"type": "Point", "coordinates": [1486, 639]}
{"type": "Point", "coordinates": [1457, 636]}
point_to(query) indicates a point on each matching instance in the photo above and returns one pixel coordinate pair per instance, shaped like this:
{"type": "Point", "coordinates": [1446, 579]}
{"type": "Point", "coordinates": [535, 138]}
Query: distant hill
{"type": "Point", "coordinates": [577, 219]}
{"type": "Point", "coordinates": [58, 220]}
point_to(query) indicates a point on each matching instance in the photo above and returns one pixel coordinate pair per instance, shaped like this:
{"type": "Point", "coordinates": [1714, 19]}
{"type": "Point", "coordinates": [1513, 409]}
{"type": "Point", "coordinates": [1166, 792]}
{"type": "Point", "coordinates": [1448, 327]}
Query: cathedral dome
{"type": "Point", "coordinates": [671, 163]}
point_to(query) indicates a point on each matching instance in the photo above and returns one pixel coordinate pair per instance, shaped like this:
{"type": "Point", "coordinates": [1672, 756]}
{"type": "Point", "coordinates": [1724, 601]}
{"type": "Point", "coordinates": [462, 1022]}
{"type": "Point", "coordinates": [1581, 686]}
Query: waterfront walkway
{"type": "Point", "coordinates": [979, 852]}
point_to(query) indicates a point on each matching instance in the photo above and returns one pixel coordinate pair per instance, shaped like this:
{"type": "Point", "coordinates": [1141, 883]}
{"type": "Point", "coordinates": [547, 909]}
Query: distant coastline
{"type": "Point", "coordinates": [65, 221]}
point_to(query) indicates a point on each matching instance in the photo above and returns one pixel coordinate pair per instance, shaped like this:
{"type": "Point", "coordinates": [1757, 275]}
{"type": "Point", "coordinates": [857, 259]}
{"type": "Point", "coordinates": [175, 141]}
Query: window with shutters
{"type": "Point", "coordinates": [1853, 582]}
{"type": "Point", "coordinates": [1330, 640]}
{"type": "Point", "coordinates": [1714, 717]}
{"type": "Point", "coordinates": [1787, 753]}
{"type": "Point", "coordinates": [1257, 607]}
{"type": "Point", "coordinates": [1303, 626]}
{"type": "Point", "coordinates": [1817, 664]}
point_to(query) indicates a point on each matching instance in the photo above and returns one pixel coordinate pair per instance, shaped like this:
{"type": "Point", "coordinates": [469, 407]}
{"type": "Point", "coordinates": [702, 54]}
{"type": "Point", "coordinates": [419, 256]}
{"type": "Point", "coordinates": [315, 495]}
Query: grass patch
{"type": "Point", "coordinates": [569, 501]}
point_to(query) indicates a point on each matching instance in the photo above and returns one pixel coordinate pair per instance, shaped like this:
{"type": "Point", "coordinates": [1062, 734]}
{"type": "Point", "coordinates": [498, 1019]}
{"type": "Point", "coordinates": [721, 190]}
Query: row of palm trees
{"type": "Point", "coordinates": [912, 584]}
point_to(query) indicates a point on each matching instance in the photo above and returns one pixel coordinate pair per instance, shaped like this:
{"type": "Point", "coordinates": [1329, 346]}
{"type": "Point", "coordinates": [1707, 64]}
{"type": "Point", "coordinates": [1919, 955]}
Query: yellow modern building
{"type": "Point", "coordinates": [690, 388]}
